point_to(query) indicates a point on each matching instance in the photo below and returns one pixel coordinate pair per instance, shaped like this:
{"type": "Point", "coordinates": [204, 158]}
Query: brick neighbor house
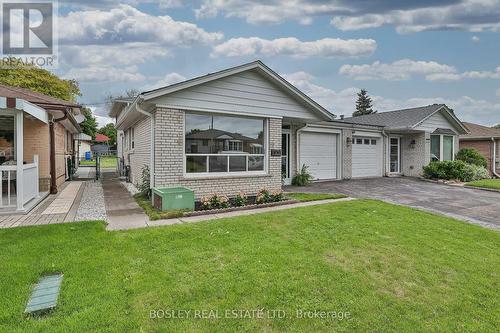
{"type": "Point", "coordinates": [486, 141]}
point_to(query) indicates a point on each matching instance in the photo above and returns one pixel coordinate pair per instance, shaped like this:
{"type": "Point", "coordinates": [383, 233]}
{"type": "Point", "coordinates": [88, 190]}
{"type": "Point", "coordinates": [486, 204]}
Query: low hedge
{"type": "Point", "coordinates": [455, 170]}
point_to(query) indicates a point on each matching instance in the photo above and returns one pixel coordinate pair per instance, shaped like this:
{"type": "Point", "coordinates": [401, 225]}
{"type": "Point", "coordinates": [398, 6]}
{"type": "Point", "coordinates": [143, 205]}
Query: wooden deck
{"type": "Point", "coordinates": [40, 215]}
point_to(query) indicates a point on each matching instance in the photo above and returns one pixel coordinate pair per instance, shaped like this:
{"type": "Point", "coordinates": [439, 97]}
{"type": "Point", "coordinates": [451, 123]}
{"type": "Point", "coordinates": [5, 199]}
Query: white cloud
{"type": "Point", "coordinates": [109, 45]}
{"type": "Point", "coordinates": [327, 47]}
{"type": "Point", "coordinates": [471, 15]}
{"type": "Point", "coordinates": [105, 74]}
{"type": "Point", "coordinates": [406, 16]}
{"type": "Point", "coordinates": [127, 24]}
{"type": "Point", "coordinates": [405, 69]}
{"type": "Point", "coordinates": [169, 79]}
{"type": "Point", "coordinates": [475, 39]}
{"type": "Point", "coordinates": [117, 55]}
{"type": "Point", "coordinates": [398, 70]}
{"type": "Point", "coordinates": [343, 101]}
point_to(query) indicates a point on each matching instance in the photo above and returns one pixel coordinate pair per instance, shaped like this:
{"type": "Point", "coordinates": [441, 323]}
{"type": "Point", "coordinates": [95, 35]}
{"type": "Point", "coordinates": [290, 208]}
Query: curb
{"type": "Point", "coordinates": [482, 188]}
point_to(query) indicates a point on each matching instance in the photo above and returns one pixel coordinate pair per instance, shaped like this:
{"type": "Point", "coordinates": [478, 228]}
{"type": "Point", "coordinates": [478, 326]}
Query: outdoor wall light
{"type": "Point", "coordinates": [348, 141]}
{"type": "Point", "coordinates": [412, 144]}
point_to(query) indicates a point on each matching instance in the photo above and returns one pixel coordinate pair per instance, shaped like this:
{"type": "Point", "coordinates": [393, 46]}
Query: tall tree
{"type": "Point", "coordinates": [363, 104]}
{"type": "Point", "coordinates": [89, 125]}
{"type": "Point", "coordinates": [497, 126]}
{"type": "Point", "coordinates": [110, 131]}
{"type": "Point", "coordinates": [39, 80]}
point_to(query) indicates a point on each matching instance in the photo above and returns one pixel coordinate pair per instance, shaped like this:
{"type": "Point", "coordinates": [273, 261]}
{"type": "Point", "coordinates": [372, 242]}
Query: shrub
{"type": "Point", "coordinates": [144, 185]}
{"type": "Point", "coordinates": [240, 199]}
{"type": "Point", "coordinates": [471, 156]}
{"type": "Point", "coordinates": [263, 196]}
{"type": "Point", "coordinates": [455, 170]}
{"type": "Point", "coordinates": [214, 201]}
{"type": "Point", "coordinates": [478, 173]}
{"type": "Point", "coordinates": [303, 177]}
{"type": "Point", "coordinates": [277, 196]}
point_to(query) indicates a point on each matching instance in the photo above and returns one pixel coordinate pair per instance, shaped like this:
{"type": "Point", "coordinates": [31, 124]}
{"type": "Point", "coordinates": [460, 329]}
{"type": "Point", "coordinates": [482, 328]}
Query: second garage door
{"type": "Point", "coordinates": [366, 157]}
{"type": "Point", "coordinates": [319, 152]}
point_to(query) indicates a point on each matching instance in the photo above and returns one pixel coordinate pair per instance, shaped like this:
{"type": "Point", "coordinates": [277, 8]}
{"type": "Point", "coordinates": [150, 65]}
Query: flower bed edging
{"type": "Point", "coordinates": [234, 209]}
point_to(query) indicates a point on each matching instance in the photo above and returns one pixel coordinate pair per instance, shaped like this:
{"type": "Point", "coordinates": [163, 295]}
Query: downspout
{"type": "Point", "coordinates": [152, 140]}
{"type": "Point", "coordinates": [53, 183]}
{"type": "Point", "coordinates": [494, 161]}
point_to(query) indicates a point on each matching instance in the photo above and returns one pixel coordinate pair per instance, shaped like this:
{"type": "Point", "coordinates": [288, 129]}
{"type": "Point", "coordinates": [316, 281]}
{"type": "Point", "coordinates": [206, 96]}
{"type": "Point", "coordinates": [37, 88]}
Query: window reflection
{"type": "Point", "coordinates": [215, 143]}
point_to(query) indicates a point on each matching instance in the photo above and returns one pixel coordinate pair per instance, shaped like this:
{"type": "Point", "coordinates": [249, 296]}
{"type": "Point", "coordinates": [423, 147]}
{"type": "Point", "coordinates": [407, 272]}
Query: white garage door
{"type": "Point", "coordinates": [319, 152]}
{"type": "Point", "coordinates": [366, 157]}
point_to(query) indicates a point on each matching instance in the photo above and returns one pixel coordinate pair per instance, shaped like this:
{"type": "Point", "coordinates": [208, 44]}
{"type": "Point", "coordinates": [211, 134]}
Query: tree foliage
{"type": "Point", "coordinates": [497, 126]}
{"type": "Point", "coordinates": [363, 104]}
{"type": "Point", "coordinates": [39, 80]}
{"type": "Point", "coordinates": [110, 131]}
{"type": "Point", "coordinates": [89, 125]}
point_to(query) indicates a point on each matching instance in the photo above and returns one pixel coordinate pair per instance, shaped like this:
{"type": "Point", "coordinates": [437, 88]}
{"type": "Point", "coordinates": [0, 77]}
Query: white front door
{"type": "Point", "coordinates": [318, 151]}
{"type": "Point", "coordinates": [395, 155]}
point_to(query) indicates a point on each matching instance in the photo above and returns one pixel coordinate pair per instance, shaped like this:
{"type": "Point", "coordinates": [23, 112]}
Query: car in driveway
{"type": "Point", "coordinates": [472, 205]}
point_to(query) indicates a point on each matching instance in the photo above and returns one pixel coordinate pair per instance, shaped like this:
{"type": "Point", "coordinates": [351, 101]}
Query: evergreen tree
{"type": "Point", "coordinates": [363, 104]}
{"type": "Point", "coordinates": [89, 125]}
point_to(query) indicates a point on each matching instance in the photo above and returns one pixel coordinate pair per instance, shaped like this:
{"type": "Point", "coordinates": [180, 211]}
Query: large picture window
{"type": "Point", "coordinates": [223, 144]}
{"type": "Point", "coordinates": [442, 148]}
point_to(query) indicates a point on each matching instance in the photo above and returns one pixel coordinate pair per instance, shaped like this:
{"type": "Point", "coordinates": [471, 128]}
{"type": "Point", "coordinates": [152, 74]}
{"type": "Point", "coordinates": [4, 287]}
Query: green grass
{"type": "Point", "coordinates": [487, 183]}
{"type": "Point", "coordinates": [153, 213]}
{"type": "Point", "coordinates": [314, 196]}
{"type": "Point", "coordinates": [108, 161]}
{"type": "Point", "coordinates": [87, 163]}
{"type": "Point", "coordinates": [394, 269]}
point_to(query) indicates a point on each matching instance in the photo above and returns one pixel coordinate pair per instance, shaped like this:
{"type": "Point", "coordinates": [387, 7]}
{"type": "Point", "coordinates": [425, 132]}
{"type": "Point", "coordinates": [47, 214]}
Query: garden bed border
{"type": "Point", "coordinates": [234, 209]}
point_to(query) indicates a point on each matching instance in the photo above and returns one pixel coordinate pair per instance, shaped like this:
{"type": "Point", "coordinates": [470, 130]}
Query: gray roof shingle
{"type": "Point", "coordinates": [396, 119]}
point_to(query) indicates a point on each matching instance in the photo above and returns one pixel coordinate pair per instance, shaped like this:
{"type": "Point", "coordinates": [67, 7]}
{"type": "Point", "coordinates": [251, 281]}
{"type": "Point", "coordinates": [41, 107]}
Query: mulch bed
{"type": "Point", "coordinates": [234, 209]}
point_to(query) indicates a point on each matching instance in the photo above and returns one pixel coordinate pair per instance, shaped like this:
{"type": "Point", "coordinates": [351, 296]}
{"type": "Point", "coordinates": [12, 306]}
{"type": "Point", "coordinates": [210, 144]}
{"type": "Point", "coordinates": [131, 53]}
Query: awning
{"type": "Point", "coordinates": [20, 104]}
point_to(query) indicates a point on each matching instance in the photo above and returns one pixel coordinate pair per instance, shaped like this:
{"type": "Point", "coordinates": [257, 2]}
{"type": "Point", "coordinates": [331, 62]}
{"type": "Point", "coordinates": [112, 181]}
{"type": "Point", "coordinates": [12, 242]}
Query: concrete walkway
{"type": "Point", "coordinates": [122, 210]}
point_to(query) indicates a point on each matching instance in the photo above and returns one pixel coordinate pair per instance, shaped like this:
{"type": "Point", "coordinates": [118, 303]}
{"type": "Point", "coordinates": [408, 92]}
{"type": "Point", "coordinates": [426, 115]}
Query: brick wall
{"type": "Point", "coordinates": [169, 164]}
{"type": "Point", "coordinates": [37, 142]}
{"type": "Point", "coordinates": [413, 157]}
{"type": "Point", "coordinates": [484, 147]}
{"type": "Point", "coordinates": [346, 153]}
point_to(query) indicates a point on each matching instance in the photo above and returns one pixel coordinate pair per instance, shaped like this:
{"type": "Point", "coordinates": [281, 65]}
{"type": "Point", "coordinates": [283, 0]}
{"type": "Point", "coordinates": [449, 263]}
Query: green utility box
{"type": "Point", "coordinates": [173, 198]}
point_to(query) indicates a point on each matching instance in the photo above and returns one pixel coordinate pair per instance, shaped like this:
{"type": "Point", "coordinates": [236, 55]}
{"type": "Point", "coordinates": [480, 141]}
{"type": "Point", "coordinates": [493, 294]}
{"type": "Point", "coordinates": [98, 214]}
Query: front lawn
{"type": "Point", "coordinates": [487, 183]}
{"type": "Point", "coordinates": [391, 268]}
{"type": "Point", "coordinates": [304, 197]}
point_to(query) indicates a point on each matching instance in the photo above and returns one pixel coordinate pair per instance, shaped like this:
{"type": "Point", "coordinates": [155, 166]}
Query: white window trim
{"type": "Point", "coordinates": [441, 146]}
{"type": "Point", "coordinates": [207, 174]}
{"type": "Point", "coordinates": [399, 155]}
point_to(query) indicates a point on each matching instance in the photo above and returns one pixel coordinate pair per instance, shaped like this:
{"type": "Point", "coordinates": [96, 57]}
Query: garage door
{"type": "Point", "coordinates": [366, 157]}
{"type": "Point", "coordinates": [319, 152]}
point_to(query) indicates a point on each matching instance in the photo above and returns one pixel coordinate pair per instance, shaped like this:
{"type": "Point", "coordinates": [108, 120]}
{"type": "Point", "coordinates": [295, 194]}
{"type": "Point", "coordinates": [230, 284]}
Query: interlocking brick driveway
{"type": "Point", "coordinates": [477, 206]}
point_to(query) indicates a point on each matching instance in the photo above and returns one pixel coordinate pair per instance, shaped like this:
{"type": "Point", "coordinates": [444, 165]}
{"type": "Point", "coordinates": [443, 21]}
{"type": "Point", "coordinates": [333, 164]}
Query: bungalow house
{"type": "Point", "coordinates": [36, 146]}
{"type": "Point", "coordinates": [246, 127]}
{"type": "Point", "coordinates": [486, 141]}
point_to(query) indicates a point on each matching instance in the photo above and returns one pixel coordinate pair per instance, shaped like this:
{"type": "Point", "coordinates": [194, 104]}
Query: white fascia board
{"type": "Point", "coordinates": [32, 109]}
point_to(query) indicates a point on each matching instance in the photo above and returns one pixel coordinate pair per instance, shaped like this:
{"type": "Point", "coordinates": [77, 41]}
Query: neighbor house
{"type": "Point", "coordinates": [36, 146]}
{"type": "Point", "coordinates": [486, 141]}
{"type": "Point", "coordinates": [245, 128]}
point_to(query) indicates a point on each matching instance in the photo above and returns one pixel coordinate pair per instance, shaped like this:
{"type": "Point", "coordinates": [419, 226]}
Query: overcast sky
{"type": "Point", "coordinates": [405, 53]}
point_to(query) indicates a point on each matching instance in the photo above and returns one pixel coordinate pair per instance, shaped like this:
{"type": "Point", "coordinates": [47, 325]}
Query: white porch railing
{"type": "Point", "coordinates": [18, 184]}
{"type": "Point", "coordinates": [7, 185]}
{"type": "Point", "coordinates": [30, 180]}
